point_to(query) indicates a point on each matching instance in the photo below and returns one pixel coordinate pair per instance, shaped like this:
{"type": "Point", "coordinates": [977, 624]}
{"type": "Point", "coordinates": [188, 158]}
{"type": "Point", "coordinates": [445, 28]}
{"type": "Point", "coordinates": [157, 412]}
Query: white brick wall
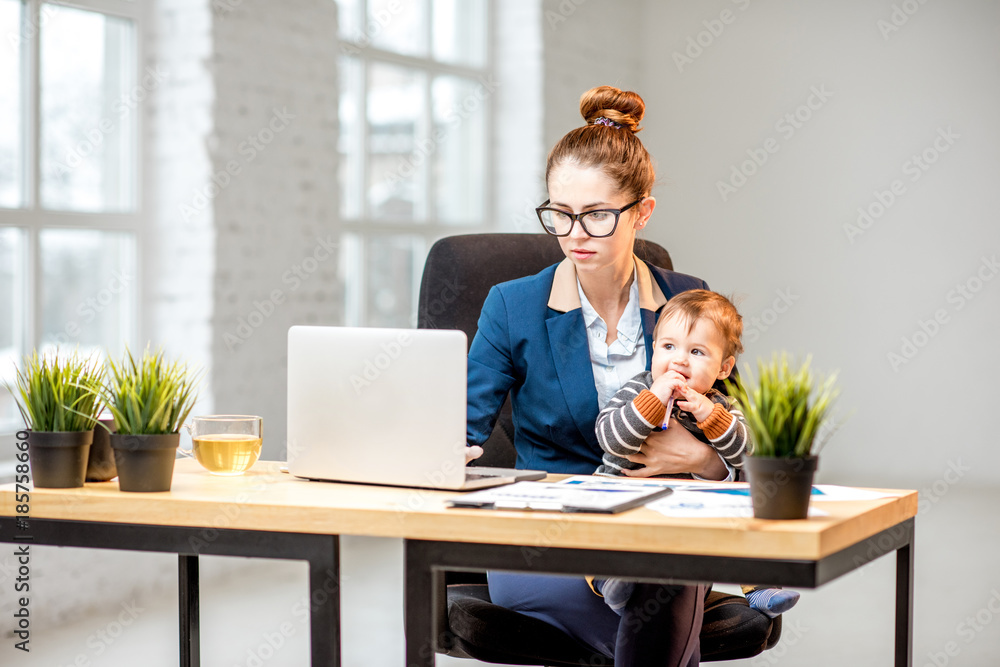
{"type": "Point", "coordinates": [178, 255]}
{"type": "Point", "coordinates": [274, 68]}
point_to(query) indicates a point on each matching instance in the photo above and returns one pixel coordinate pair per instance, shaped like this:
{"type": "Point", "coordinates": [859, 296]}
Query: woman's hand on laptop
{"type": "Point", "coordinates": [472, 453]}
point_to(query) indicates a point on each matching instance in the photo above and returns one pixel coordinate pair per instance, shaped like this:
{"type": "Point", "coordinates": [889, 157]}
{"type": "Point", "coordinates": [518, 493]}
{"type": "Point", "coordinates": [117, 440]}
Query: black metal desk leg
{"type": "Point", "coordinates": [904, 605]}
{"type": "Point", "coordinates": [420, 605]}
{"type": "Point", "coordinates": [188, 605]}
{"type": "Point", "coordinates": [324, 605]}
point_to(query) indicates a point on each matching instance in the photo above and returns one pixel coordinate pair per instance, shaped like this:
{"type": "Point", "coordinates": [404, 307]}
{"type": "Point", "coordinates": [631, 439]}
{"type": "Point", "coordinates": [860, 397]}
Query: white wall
{"type": "Point", "coordinates": [814, 279]}
{"type": "Point", "coordinates": [786, 239]}
{"type": "Point", "coordinates": [586, 43]}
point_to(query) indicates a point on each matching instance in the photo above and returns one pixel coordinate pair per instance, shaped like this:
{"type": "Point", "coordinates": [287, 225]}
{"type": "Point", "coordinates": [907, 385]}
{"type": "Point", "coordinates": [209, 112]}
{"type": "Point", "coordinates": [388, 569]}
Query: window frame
{"type": "Point", "coordinates": [357, 232]}
{"type": "Point", "coordinates": [31, 219]}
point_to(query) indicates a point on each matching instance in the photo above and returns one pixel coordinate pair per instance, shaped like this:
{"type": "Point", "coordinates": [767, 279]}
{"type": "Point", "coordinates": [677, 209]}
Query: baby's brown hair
{"type": "Point", "coordinates": [720, 311]}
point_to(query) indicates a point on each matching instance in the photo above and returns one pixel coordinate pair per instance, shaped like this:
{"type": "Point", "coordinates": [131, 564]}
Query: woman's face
{"type": "Point", "coordinates": [576, 189]}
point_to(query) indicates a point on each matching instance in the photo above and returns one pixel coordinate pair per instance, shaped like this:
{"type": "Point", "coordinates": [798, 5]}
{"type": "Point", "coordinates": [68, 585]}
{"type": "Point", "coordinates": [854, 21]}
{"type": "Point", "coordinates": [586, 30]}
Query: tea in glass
{"type": "Point", "coordinates": [227, 444]}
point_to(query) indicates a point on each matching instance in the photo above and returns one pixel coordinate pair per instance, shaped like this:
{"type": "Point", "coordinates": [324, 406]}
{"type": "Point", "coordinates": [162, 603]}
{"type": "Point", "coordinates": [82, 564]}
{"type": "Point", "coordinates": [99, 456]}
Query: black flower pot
{"type": "Point", "coordinates": [101, 463]}
{"type": "Point", "coordinates": [58, 458]}
{"type": "Point", "coordinates": [145, 463]}
{"type": "Point", "coordinates": [780, 488]}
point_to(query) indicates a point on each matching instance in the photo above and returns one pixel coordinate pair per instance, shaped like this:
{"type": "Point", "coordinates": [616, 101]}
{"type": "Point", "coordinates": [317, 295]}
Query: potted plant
{"type": "Point", "coordinates": [58, 398]}
{"type": "Point", "coordinates": [788, 413]}
{"type": "Point", "coordinates": [101, 463]}
{"type": "Point", "coordinates": [149, 400]}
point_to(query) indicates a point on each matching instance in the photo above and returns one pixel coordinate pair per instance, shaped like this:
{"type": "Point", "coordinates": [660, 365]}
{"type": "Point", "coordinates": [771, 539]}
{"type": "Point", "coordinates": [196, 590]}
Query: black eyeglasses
{"type": "Point", "coordinates": [596, 224]}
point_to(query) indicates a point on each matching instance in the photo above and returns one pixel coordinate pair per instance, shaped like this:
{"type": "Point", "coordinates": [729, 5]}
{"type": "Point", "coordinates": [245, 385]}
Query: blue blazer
{"type": "Point", "coordinates": [532, 342]}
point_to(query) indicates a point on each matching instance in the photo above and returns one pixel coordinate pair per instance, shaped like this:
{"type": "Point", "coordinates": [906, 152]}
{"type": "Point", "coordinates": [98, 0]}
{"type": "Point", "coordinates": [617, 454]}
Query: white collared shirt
{"type": "Point", "coordinates": [615, 364]}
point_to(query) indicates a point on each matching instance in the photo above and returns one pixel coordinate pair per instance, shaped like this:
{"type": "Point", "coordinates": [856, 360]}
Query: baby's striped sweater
{"type": "Point", "coordinates": [635, 412]}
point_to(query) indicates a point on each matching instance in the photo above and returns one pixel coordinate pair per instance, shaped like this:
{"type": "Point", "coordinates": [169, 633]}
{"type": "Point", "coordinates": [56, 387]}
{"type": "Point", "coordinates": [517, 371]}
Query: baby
{"type": "Point", "coordinates": [695, 343]}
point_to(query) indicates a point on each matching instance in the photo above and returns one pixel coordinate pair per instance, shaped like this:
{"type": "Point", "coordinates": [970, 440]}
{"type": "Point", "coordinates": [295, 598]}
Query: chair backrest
{"type": "Point", "coordinates": [458, 274]}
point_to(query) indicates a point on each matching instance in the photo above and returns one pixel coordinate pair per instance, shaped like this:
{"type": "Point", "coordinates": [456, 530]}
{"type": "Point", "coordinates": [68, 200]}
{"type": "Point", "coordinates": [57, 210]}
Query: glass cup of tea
{"type": "Point", "coordinates": [226, 444]}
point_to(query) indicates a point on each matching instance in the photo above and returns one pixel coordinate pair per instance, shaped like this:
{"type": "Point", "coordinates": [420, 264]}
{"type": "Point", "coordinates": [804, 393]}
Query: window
{"type": "Point", "coordinates": [415, 95]}
{"type": "Point", "coordinates": [69, 196]}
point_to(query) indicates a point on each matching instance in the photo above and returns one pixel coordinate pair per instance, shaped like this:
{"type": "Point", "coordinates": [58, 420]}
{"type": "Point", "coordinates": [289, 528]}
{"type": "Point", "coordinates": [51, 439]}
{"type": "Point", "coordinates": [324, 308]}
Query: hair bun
{"type": "Point", "coordinates": [618, 106]}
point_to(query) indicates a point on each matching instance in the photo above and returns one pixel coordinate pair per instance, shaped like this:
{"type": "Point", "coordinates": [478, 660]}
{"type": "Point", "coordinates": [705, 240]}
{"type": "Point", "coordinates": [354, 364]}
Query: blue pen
{"type": "Point", "coordinates": [666, 415]}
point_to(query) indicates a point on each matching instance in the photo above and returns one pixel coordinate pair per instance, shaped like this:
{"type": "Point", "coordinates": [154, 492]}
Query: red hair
{"type": "Point", "coordinates": [615, 150]}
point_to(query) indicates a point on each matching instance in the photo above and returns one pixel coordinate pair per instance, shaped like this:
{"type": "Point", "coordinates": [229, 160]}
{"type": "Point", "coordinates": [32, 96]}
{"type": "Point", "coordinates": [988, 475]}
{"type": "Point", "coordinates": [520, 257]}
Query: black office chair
{"type": "Point", "coordinates": [458, 274]}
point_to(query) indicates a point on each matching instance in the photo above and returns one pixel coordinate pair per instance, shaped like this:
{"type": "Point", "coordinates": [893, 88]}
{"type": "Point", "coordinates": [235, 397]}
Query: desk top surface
{"type": "Point", "coordinates": [269, 500]}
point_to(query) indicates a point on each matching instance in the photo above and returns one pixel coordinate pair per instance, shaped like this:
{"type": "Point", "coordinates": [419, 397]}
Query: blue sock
{"type": "Point", "coordinates": [772, 601]}
{"type": "Point", "coordinates": [616, 592]}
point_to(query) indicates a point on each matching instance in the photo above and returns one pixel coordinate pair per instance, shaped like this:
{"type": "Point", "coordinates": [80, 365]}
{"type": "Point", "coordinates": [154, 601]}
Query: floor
{"type": "Point", "coordinates": [847, 622]}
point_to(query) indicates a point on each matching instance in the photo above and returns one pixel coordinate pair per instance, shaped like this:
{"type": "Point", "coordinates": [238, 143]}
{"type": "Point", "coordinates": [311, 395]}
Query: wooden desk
{"type": "Point", "coordinates": [268, 514]}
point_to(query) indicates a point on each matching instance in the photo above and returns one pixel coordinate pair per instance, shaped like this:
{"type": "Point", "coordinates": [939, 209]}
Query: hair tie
{"type": "Point", "coordinates": [601, 120]}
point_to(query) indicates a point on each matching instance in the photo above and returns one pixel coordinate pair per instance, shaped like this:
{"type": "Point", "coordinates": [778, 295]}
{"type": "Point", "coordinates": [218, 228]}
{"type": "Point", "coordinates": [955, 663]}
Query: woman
{"type": "Point", "coordinates": [562, 342]}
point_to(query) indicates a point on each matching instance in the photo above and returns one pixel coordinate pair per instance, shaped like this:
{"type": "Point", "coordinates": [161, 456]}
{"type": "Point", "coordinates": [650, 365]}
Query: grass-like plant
{"type": "Point", "coordinates": [787, 409]}
{"type": "Point", "coordinates": [56, 393]}
{"type": "Point", "coordinates": [152, 396]}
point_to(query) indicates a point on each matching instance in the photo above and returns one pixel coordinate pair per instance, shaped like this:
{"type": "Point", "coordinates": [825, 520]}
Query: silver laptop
{"type": "Point", "coordinates": [382, 406]}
